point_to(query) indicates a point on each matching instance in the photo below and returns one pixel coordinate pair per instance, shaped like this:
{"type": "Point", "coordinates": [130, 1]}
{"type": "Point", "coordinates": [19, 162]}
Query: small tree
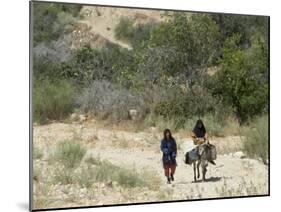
{"type": "Point", "coordinates": [242, 79]}
{"type": "Point", "coordinates": [194, 40]}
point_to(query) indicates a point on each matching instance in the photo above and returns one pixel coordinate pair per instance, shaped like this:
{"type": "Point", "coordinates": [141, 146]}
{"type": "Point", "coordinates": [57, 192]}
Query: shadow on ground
{"type": "Point", "coordinates": [211, 179]}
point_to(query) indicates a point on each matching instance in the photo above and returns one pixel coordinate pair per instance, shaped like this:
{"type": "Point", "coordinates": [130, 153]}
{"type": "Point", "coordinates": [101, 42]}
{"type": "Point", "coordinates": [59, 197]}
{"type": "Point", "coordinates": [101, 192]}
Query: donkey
{"type": "Point", "coordinates": [205, 153]}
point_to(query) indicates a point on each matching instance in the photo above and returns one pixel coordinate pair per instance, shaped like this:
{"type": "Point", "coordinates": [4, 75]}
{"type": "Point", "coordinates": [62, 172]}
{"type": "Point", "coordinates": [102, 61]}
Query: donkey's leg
{"type": "Point", "coordinates": [198, 171]}
{"type": "Point", "coordinates": [204, 169]}
{"type": "Point", "coordinates": [194, 170]}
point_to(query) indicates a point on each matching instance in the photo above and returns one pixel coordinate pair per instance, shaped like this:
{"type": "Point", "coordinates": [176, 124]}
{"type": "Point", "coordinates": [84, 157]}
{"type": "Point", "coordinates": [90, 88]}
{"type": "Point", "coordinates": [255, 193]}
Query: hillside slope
{"type": "Point", "coordinates": [103, 20]}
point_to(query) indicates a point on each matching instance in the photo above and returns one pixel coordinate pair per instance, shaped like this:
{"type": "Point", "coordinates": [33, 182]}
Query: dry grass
{"type": "Point", "coordinates": [69, 168]}
{"type": "Point", "coordinates": [165, 195]}
{"type": "Point", "coordinates": [121, 143]}
{"type": "Point", "coordinates": [243, 189]}
{"type": "Point", "coordinates": [256, 139]}
{"type": "Point", "coordinates": [69, 153]}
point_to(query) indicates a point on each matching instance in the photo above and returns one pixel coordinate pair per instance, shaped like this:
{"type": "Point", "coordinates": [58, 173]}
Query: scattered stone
{"type": "Point", "coordinates": [239, 154]}
{"type": "Point", "coordinates": [138, 139]}
{"type": "Point", "coordinates": [153, 129]}
{"type": "Point", "coordinates": [73, 117]}
{"type": "Point", "coordinates": [133, 114]}
{"type": "Point", "coordinates": [109, 184]}
{"type": "Point", "coordinates": [82, 118]}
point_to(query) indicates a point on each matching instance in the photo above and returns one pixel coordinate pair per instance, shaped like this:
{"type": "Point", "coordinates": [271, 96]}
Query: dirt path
{"type": "Point", "coordinates": [231, 176]}
{"type": "Point", "coordinates": [230, 173]}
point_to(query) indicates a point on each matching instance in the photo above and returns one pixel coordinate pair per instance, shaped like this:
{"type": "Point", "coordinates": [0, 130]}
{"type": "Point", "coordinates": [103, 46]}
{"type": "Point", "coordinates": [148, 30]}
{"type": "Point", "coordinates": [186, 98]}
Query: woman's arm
{"type": "Point", "coordinates": [164, 147]}
{"type": "Point", "coordinates": [176, 148]}
{"type": "Point", "coordinates": [173, 150]}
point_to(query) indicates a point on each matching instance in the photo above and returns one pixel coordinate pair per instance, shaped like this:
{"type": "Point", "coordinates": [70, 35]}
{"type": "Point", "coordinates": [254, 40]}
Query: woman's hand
{"type": "Point", "coordinates": [206, 136]}
{"type": "Point", "coordinates": [165, 150]}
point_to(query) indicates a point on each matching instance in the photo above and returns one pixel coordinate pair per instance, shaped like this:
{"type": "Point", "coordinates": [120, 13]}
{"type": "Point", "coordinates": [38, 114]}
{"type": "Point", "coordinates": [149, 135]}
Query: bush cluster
{"type": "Point", "coordinates": [105, 100]}
{"type": "Point", "coordinates": [52, 100]}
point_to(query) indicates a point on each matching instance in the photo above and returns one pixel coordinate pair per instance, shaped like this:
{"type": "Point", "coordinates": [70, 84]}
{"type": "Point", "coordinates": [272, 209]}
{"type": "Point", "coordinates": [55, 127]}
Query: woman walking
{"type": "Point", "coordinates": [169, 149]}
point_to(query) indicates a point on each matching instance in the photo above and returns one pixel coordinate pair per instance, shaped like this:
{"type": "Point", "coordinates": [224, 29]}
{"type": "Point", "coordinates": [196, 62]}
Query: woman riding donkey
{"type": "Point", "coordinates": [169, 149]}
{"type": "Point", "coordinates": [200, 136]}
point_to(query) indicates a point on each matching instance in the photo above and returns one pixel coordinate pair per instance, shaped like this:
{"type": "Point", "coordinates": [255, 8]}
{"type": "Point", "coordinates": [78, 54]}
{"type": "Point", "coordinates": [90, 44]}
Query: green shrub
{"type": "Point", "coordinates": [105, 171]}
{"type": "Point", "coordinates": [64, 176]}
{"type": "Point", "coordinates": [93, 161]}
{"type": "Point", "coordinates": [181, 110]}
{"type": "Point", "coordinates": [255, 142]}
{"type": "Point", "coordinates": [128, 178]}
{"type": "Point", "coordinates": [124, 29]}
{"type": "Point", "coordinates": [96, 170]}
{"type": "Point", "coordinates": [213, 127]}
{"type": "Point", "coordinates": [69, 153]}
{"type": "Point", "coordinates": [89, 64]}
{"type": "Point", "coordinates": [50, 20]}
{"type": "Point", "coordinates": [45, 68]}
{"type": "Point", "coordinates": [86, 177]}
{"type": "Point", "coordinates": [52, 100]}
{"type": "Point", "coordinates": [136, 34]}
{"type": "Point", "coordinates": [173, 123]}
{"type": "Point", "coordinates": [242, 80]}
{"type": "Point", "coordinates": [108, 101]}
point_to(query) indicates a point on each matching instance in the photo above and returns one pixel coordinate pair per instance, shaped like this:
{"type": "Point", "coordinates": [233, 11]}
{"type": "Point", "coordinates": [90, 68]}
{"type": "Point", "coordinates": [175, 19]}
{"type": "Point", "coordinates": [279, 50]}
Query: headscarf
{"type": "Point", "coordinates": [199, 131]}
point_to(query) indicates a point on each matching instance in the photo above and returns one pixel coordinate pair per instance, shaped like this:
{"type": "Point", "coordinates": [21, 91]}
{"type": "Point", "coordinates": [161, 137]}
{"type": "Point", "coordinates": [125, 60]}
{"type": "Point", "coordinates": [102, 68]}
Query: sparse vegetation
{"type": "Point", "coordinates": [243, 189]}
{"type": "Point", "coordinates": [69, 153]}
{"type": "Point", "coordinates": [85, 177]}
{"type": "Point", "coordinates": [102, 171]}
{"type": "Point", "coordinates": [50, 20]}
{"type": "Point", "coordinates": [64, 175]}
{"type": "Point", "coordinates": [92, 161]}
{"type": "Point", "coordinates": [52, 100]}
{"type": "Point", "coordinates": [125, 177]}
{"type": "Point", "coordinates": [256, 139]}
{"type": "Point", "coordinates": [107, 101]}
{"type": "Point", "coordinates": [124, 29]}
{"type": "Point", "coordinates": [135, 34]}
